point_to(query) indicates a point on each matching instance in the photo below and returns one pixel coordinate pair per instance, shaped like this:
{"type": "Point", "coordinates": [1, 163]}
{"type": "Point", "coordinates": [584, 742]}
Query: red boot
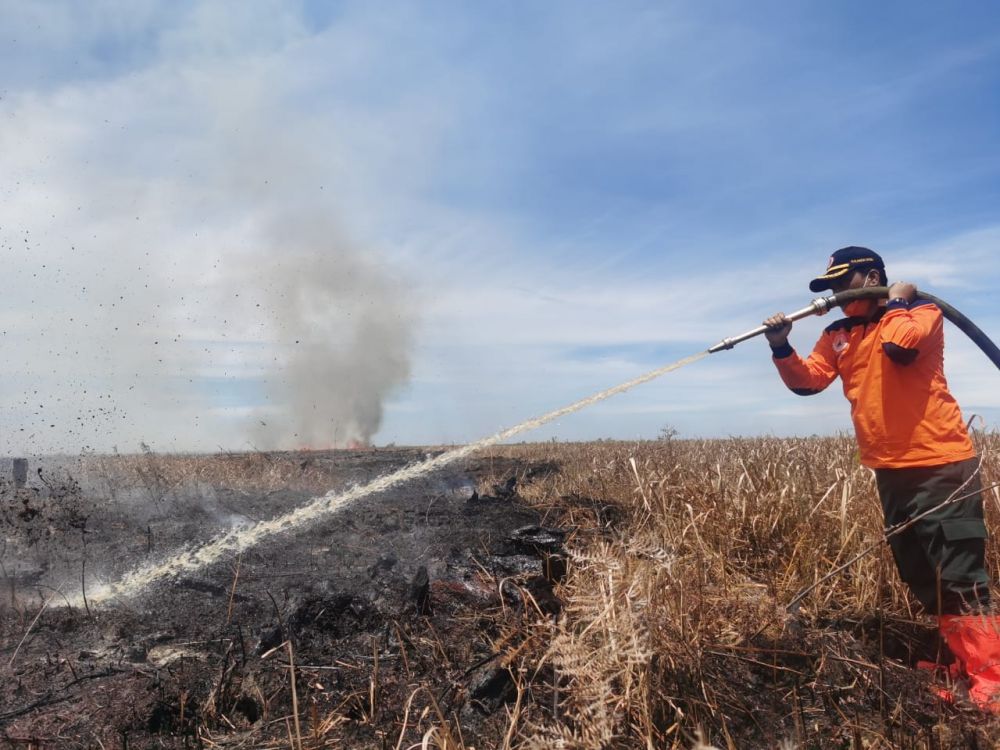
{"type": "Point", "coordinates": [975, 641]}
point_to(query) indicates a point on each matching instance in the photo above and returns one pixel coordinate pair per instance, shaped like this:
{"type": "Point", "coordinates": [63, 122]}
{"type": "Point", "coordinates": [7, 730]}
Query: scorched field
{"type": "Point", "coordinates": [599, 595]}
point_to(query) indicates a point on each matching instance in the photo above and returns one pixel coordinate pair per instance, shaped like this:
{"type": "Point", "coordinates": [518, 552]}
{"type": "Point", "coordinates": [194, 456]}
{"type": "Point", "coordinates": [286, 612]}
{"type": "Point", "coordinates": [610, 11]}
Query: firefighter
{"type": "Point", "coordinates": [890, 359]}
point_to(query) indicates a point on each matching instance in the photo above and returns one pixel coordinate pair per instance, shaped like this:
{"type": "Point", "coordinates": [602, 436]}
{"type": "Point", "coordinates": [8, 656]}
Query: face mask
{"type": "Point", "coordinates": [859, 308]}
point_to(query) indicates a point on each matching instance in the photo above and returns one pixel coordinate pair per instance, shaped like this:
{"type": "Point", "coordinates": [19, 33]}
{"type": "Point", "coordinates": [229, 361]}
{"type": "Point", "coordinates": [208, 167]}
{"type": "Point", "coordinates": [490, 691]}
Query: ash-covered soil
{"type": "Point", "coordinates": [388, 613]}
{"type": "Point", "coordinates": [428, 616]}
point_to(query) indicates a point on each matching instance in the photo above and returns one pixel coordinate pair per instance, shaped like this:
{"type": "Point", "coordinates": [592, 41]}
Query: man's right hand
{"type": "Point", "coordinates": [778, 327]}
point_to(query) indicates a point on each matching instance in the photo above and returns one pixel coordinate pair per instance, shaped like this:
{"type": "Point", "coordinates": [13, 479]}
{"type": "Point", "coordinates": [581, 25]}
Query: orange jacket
{"type": "Point", "coordinates": [892, 368]}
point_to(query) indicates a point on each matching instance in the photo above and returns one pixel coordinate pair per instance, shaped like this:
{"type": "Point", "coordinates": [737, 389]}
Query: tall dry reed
{"type": "Point", "coordinates": [674, 628]}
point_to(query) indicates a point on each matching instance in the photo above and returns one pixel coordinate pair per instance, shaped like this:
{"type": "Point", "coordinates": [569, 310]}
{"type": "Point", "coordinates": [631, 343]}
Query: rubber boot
{"type": "Point", "coordinates": [975, 642]}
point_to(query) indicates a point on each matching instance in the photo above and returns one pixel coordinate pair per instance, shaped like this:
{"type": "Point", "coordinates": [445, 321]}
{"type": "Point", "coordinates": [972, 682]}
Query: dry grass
{"type": "Point", "coordinates": [673, 630]}
{"type": "Point", "coordinates": [164, 474]}
{"type": "Point", "coordinates": [683, 557]}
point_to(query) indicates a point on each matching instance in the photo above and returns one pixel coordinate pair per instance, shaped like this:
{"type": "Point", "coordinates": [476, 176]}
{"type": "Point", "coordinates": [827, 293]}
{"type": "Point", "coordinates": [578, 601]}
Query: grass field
{"type": "Point", "coordinates": [683, 557]}
{"type": "Point", "coordinates": [661, 621]}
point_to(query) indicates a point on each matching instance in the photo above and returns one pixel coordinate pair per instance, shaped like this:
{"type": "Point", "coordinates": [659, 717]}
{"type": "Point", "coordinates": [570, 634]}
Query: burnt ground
{"type": "Point", "coordinates": [393, 601]}
{"type": "Point", "coordinates": [427, 607]}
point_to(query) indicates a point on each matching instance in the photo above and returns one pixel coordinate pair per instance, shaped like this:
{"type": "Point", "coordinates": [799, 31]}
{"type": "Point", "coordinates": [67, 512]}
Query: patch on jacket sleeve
{"type": "Point", "coordinates": [900, 354]}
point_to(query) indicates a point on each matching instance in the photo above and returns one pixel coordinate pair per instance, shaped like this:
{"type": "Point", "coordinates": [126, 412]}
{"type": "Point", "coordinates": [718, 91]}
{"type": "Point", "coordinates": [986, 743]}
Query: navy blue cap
{"type": "Point", "coordinates": [845, 261]}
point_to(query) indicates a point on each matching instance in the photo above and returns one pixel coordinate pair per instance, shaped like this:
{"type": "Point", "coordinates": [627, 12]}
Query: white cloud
{"type": "Point", "coordinates": [137, 191]}
{"type": "Point", "coordinates": [136, 214]}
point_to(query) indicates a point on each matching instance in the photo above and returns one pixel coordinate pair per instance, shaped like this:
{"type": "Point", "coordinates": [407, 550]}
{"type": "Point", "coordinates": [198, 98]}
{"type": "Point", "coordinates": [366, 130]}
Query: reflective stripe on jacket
{"type": "Point", "coordinates": [892, 369]}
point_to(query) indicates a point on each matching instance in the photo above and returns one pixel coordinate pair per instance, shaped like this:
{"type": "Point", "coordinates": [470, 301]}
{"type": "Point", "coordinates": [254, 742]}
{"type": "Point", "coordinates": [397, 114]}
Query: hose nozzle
{"type": "Point", "coordinates": [818, 306]}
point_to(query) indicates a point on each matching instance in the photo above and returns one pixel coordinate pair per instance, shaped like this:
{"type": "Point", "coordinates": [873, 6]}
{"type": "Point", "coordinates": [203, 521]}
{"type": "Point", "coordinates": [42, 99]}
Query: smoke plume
{"type": "Point", "coordinates": [346, 327]}
{"type": "Point", "coordinates": [174, 239]}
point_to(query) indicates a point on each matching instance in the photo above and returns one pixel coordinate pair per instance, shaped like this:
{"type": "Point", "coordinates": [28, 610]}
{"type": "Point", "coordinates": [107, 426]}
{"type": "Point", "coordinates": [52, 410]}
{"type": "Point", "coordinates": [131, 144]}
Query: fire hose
{"type": "Point", "coordinates": [822, 305]}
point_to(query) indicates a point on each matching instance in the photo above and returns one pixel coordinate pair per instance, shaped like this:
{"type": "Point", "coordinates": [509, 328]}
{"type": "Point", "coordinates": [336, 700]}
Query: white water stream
{"type": "Point", "coordinates": [237, 540]}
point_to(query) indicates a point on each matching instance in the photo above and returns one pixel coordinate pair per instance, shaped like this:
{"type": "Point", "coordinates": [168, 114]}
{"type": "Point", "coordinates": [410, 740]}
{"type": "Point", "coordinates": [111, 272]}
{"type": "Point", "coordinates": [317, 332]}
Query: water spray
{"type": "Point", "coordinates": [237, 540]}
{"type": "Point", "coordinates": [233, 542]}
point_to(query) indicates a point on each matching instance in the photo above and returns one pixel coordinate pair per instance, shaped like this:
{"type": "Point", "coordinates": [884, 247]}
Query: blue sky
{"type": "Point", "coordinates": [555, 196]}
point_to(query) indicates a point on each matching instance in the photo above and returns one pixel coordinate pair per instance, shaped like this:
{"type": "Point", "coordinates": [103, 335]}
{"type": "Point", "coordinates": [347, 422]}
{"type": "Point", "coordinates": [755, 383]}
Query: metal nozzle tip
{"type": "Point", "coordinates": [721, 346]}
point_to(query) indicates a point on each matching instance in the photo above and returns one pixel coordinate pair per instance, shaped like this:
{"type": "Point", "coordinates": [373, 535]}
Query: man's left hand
{"type": "Point", "coordinates": [904, 290]}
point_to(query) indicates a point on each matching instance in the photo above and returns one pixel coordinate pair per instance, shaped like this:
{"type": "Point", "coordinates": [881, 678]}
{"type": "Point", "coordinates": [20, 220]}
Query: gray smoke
{"type": "Point", "coordinates": [174, 258]}
{"type": "Point", "coordinates": [346, 326]}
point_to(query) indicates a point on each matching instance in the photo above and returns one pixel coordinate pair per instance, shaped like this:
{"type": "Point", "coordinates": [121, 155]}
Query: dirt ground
{"type": "Point", "coordinates": [569, 596]}
{"type": "Point", "coordinates": [395, 600]}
